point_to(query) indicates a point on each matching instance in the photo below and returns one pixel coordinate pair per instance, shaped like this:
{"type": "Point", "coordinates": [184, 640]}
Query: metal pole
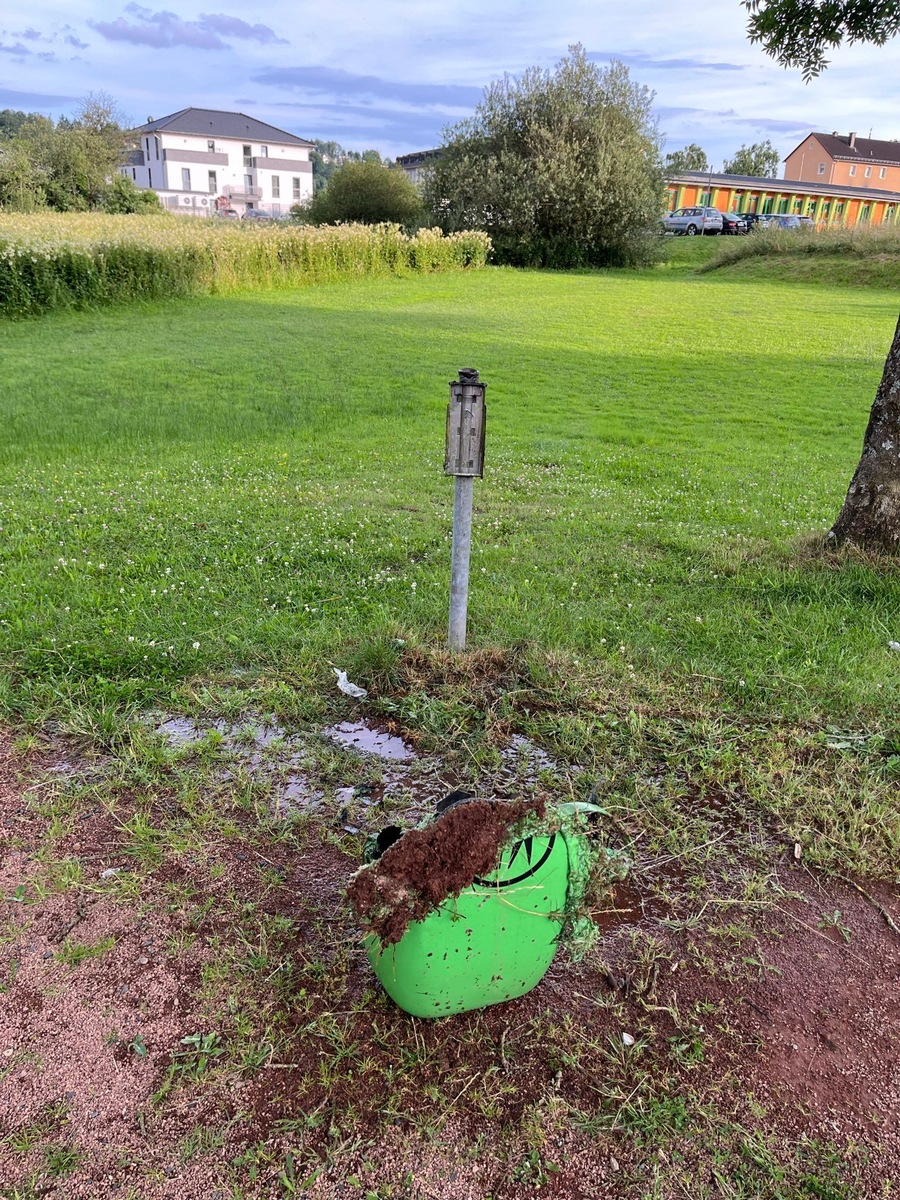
{"type": "Point", "coordinates": [459, 569]}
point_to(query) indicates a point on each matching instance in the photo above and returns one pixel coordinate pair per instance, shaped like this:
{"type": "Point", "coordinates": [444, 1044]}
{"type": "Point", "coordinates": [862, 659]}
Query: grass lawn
{"type": "Point", "coordinates": [206, 505]}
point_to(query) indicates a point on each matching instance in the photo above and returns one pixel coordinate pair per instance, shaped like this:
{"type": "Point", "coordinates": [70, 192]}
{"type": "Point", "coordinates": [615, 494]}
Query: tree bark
{"type": "Point", "coordinates": [870, 517]}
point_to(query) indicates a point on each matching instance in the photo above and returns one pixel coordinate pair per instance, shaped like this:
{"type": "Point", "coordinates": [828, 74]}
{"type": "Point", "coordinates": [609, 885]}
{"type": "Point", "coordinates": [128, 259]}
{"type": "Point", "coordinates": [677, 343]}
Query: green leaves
{"type": "Point", "coordinates": [560, 167]}
{"type": "Point", "coordinates": [798, 33]}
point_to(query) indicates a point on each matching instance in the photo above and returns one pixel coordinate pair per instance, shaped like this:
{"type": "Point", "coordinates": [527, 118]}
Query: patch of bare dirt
{"type": "Point", "coordinates": [827, 1011]}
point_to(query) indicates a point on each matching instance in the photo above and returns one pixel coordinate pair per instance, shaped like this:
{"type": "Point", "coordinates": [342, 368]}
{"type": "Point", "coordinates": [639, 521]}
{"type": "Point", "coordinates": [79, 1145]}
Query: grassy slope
{"type": "Point", "coordinates": [834, 270]}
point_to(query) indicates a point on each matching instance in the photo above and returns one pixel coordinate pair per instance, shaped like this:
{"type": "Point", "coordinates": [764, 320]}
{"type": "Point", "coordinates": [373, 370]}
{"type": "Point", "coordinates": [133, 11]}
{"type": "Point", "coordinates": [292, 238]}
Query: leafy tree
{"type": "Point", "coordinates": [797, 33]}
{"type": "Point", "coordinates": [67, 165]}
{"type": "Point", "coordinates": [562, 168]}
{"type": "Point", "coordinates": [691, 158]}
{"type": "Point", "coordinates": [328, 156]}
{"type": "Point", "coordinates": [369, 192]}
{"type": "Point", "coordinates": [761, 159]}
{"type": "Point", "coordinates": [21, 183]}
{"type": "Point", "coordinates": [11, 121]}
{"type": "Point", "coordinates": [122, 195]}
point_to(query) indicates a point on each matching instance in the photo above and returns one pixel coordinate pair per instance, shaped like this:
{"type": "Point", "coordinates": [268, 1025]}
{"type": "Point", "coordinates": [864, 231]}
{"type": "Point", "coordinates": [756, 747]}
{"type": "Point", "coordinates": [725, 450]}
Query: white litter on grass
{"type": "Point", "coordinates": [893, 645]}
{"type": "Point", "coordinates": [348, 688]}
{"type": "Point", "coordinates": [627, 1039]}
{"type": "Point", "coordinates": [110, 872]}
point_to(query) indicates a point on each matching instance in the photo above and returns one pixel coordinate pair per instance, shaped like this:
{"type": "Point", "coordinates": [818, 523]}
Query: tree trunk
{"type": "Point", "coordinates": [870, 517]}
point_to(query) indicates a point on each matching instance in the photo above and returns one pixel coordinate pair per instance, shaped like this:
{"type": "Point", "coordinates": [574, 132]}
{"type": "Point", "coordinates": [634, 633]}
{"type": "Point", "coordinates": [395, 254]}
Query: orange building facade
{"type": "Point", "coordinates": [845, 160]}
{"type": "Point", "coordinates": [827, 203]}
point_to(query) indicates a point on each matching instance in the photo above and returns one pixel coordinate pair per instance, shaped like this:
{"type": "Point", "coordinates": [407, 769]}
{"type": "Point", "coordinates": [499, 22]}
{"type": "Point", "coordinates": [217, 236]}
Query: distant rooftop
{"type": "Point", "coordinates": [212, 122]}
{"type": "Point", "coordinates": [416, 158]}
{"type": "Point", "coordinates": [850, 148]}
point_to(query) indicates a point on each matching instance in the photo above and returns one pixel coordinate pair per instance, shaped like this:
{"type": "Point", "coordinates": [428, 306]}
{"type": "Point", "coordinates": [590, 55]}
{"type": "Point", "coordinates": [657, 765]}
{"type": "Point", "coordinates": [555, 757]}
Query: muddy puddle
{"type": "Point", "coordinates": [182, 731]}
{"type": "Point", "coordinates": [387, 780]}
{"type": "Point", "coordinates": [261, 748]}
{"type": "Point", "coordinates": [369, 739]}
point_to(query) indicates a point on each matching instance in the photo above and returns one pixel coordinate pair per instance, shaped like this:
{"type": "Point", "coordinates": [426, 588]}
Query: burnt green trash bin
{"type": "Point", "coordinates": [492, 942]}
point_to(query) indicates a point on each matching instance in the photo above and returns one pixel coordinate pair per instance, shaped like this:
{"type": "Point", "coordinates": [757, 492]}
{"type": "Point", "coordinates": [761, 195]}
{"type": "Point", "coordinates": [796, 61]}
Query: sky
{"type": "Point", "coordinates": [392, 74]}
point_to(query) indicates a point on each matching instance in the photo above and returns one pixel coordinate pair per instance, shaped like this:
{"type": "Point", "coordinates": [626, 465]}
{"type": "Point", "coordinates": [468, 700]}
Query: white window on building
{"type": "Point", "coordinates": [186, 179]}
{"type": "Point", "coordinates": [882, 172]}
{"type": "Point", "coordinates": [296, 187]}
{"type": "Point", "coordinates": [868, 172]}
{"type": "Point", "coordinates": [821, 168]}
{"type": "Point", "coordinates": [264, 152]}
{"type": "Point", "coordinates": [248, 184]}
{"type": "Point", "coordinates": [248, 156]}
{"type": "Point", "coordinates": [276, 187]}
{"type": "Point", "coordinates": [853, 170]}
{"type": "Point", "coordinates": [211, 146]}
{"type": "Point", "coordinates": [212, 184]}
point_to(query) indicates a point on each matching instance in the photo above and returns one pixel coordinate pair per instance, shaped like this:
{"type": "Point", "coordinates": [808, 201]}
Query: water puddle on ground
{"type": "Point", "coordinates": [368, 739]}
{"type": "Point", "coordinates": [182, 731]}
{"type": "Point", "coordinates": [523, 758]}
{"type": "Point", "coordinates": [296, 793]}
{"type": "Point", "coordinates": [404, 786]}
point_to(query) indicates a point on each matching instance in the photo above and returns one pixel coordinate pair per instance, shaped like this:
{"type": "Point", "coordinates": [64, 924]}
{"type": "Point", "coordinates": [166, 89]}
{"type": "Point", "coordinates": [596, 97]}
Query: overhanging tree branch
{"type": "Point", "coordinates": [799, 33]}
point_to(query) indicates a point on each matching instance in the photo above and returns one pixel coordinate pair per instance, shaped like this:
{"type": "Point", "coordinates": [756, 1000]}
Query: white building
{"type": "Point", "coordinates": [199, 160]}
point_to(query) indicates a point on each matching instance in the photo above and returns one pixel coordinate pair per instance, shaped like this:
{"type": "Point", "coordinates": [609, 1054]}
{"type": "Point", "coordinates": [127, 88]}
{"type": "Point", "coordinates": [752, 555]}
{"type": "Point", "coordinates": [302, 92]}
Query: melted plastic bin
{"type": "Point", "coordinates": [491, 943]}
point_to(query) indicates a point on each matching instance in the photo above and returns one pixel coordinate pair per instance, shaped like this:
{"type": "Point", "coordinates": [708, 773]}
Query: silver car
{"type": "Point", "coordinates": [691, 221]}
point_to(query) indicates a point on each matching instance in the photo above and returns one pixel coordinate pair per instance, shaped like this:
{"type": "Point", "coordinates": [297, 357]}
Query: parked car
{"type": "Point", "coordinates": [229, 214]}
{"type": "Point", "coordinates": [757, 220]}
{"type": "Point", "coordinates": [807, 223]}
{"type": "Point", "coordinates": [691, 221]}
{"type": "Point", "coordinates": [258, 214]}
{"type": "Point", "coordinates": [786, 221]}
{"type": "Point", "coordinates": [734, 223]}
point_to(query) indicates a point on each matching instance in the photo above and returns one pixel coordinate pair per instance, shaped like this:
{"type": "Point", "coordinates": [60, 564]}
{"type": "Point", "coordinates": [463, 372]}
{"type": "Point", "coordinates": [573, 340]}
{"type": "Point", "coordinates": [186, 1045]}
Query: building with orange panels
{"type": "Point", "coordinates": [846, 160]}
{"type": "Point", "coordinates": [825, 202]}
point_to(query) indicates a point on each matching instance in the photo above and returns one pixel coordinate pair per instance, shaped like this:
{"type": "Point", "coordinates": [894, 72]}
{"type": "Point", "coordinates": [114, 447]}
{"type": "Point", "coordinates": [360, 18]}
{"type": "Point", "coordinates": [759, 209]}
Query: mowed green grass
{"type": "Point", "coordinates": [256, 482]}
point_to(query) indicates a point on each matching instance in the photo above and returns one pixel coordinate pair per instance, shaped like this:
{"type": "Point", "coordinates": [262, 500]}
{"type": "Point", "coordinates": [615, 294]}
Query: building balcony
{"type": "Point", "coordinates": [241, 192]}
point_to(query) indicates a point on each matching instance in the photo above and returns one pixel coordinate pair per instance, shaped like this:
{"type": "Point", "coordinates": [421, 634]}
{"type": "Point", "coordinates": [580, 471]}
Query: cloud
{"type": "Point", "coordinates": [71, 40]}
{"type": "Point", "coordinates": [18, 49]}
{"type": "Point", "coordinates": [358, 127]}
{"type": "Point", "coordinates": [770, 125]}
{"type": "Point", "coordinates": [650, 63]}
{"type": "Point", "coordinates": [162, 30]}
{"type": "Point", "coordinates": [235, 27]}
{"type": "Point", "coordinates": [336, 82]}
{"type": "Point", "coordinates": [32, 100]}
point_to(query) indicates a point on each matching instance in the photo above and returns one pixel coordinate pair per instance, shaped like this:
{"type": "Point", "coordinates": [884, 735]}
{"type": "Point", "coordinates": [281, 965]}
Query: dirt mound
{"type": "Point", "coordinates": [426, 866]}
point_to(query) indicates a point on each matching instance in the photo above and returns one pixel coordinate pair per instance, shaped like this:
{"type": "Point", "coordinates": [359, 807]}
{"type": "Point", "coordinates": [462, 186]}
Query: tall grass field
{"type": "Point", "coordinates": [50, 261]}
